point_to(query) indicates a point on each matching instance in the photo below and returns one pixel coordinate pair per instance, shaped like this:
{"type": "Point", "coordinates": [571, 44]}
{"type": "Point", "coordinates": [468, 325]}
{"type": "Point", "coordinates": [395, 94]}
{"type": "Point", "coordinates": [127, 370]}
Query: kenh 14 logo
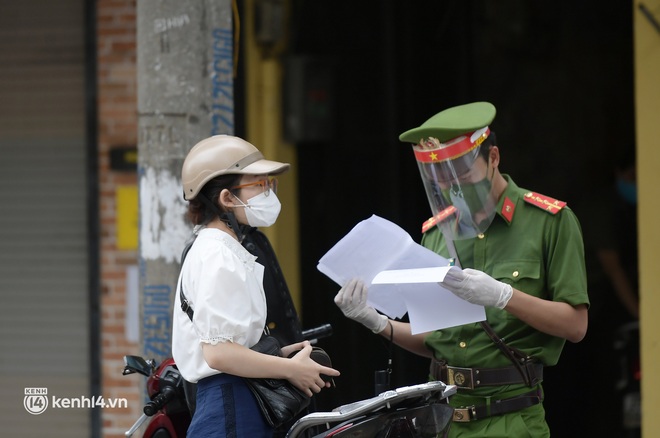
{"type": "Point", "coordinates": [36, 401]}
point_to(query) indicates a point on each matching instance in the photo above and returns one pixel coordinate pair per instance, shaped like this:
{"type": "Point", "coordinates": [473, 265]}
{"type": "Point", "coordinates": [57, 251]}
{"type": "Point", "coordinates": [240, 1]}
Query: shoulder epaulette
{"type": "Point", "coordinates": [444, 214]}
{"type": "Point", "coordinates": [543, 202]}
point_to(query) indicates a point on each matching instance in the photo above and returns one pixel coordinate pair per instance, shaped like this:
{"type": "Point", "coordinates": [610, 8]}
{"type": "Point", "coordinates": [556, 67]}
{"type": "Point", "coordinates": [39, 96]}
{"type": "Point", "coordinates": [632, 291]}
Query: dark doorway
{"type": "Point", "coordinates": [560, 75]}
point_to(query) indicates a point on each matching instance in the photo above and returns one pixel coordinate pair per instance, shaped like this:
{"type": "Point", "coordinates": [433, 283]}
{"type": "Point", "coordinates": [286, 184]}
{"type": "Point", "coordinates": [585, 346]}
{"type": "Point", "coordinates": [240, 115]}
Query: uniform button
{"type": "Point", "coordinates": [515, 274]}
{"type": "Point", "coordinates": [481, 235]}
{"type": "Point", "coordinates": [462, 344]}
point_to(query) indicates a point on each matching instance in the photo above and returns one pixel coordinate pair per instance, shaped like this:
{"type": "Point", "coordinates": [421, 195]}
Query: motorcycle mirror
{"type": "Point", "coordinates": [135, 364]}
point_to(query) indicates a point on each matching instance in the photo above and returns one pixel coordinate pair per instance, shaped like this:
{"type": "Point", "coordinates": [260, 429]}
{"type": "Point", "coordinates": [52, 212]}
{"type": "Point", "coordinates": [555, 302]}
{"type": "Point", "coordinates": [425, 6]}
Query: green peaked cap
{"type": "Point", "coordinates": [452, 122]}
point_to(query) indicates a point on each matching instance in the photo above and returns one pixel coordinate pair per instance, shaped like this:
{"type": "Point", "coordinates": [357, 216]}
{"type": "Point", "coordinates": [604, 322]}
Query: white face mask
{"type": "Point", "coordinates": [262, 210]}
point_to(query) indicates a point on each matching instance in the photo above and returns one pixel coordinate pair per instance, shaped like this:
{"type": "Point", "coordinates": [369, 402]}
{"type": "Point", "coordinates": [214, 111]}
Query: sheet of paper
{"type": "Point", "coordinates": [402, 276]}
{"type": "Point", "coordinates": [376, 245]}
{"type": "Point", "coordinates": [366, 250]}
{"type": "Point", "coordinates": [425, 299]}
{"type": "Point", "coordinates": [431, 307]}
{"type": "Point", "coordinates": [372, 246]}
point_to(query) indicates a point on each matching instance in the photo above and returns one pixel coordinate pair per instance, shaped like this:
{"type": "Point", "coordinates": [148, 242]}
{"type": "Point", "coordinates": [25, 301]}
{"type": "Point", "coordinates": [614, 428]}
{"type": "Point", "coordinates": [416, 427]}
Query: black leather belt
{"type": "Point", "coordinates": [497, 407]}
{"type": "Point", "coordinates": [470, 378]}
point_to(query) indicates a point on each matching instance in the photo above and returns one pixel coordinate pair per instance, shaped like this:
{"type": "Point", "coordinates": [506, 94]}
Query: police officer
{"type": "Point", "coordinates": [522, 257]}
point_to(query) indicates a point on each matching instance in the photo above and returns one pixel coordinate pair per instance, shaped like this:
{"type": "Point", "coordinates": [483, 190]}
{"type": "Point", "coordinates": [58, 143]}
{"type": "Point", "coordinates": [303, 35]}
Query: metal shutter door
{"type": "Point", "coordinates": [44, 327]}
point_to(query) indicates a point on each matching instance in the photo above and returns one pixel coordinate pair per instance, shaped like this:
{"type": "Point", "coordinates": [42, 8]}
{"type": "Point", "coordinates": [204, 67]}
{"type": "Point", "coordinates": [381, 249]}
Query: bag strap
{"type": "Point", "coordinates": [185, 305]}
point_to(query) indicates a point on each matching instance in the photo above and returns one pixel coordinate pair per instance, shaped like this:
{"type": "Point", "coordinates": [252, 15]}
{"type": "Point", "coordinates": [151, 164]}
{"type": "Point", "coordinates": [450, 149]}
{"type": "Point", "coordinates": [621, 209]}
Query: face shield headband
{"type": "Point", "coordinates": [458, 184]}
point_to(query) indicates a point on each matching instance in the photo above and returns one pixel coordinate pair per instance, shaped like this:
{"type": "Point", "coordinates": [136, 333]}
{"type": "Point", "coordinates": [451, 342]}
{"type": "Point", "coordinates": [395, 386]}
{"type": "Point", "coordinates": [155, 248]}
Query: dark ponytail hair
{"type": "Point", "coordinates": [200, 212]}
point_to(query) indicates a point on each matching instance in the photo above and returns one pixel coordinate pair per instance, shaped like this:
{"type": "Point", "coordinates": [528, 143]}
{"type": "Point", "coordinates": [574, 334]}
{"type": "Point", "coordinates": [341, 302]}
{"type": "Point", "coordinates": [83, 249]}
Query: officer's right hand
{"type": "Point", "coordinates": [352, 300]}
{"type": "Point", "coordinates": [477, 287]}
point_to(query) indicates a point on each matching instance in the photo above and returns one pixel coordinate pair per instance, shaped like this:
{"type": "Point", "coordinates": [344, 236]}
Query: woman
{"type": "Point", "coordinates": [225, 180]}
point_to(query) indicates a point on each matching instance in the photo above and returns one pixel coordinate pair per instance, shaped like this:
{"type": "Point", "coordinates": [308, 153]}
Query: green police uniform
{"type": "Point", "coordinates": [535, 244]}
{"type": "Point", "coordinates": [530, 241]}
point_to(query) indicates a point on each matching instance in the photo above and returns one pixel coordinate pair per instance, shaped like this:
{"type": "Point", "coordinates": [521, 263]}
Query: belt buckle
{"type": "Point", "coordinates": [461, 377]}
{"type": "Point", "coordinates": [464, 414]}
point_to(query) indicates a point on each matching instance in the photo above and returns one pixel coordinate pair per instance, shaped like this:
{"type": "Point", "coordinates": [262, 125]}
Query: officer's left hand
{"type": "Point", "coordinates": [477, 287]}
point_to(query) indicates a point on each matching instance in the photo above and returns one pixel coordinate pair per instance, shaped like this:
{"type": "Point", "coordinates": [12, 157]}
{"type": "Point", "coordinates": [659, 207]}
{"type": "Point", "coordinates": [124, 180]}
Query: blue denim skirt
{"type": "Point", "coordinates": [227, 409]}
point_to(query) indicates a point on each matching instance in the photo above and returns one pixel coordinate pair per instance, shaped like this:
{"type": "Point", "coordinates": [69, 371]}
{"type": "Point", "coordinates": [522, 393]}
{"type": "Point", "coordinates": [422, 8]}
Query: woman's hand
{"type": "Point", "coordinates": [305, 373]}
{"type": "Point", "coordinates": [290, 349]}
{"type": "Point", "coordinates": [301, 370]}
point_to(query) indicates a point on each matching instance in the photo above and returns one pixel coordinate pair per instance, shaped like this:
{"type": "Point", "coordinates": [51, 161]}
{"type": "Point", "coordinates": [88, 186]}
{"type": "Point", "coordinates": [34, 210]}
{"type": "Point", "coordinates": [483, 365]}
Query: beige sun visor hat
{"type": "Point", "coordinates": [223, 155]}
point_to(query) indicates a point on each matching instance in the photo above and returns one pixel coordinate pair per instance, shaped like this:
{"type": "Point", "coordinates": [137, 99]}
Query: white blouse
{"type": "Point", "coordinates": [224, 285]}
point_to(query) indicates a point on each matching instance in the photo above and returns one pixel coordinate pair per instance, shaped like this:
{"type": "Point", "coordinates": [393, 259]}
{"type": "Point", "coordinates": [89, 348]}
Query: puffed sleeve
{"type": "Point", "coordinates": [229, 302]}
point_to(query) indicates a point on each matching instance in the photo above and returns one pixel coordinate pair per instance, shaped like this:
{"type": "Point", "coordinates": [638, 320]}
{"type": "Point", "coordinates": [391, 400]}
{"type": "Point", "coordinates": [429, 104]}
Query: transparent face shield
{"type": "Point", "coordinates": [458, 185]}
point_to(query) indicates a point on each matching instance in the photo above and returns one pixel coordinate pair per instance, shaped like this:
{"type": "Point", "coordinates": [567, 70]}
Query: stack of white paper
{"type": "Point", "coordinates": [402, 276]}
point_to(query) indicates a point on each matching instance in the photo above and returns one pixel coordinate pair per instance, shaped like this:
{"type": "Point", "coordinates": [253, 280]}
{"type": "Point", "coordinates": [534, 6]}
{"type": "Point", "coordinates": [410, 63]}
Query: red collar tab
{"type": "Point", "coordinates": [432, 151]}
{"type": "Point", "coordinates": [443, 215]}
{"type": "Point", "coordinates": [508, 208]}
{"type": "Point", "coordinates": [546, 203]}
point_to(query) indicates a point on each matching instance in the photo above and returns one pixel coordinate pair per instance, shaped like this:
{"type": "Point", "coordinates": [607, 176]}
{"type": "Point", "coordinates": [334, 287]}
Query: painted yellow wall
{"type": "Point", "coordinates": [264, 124]}
{"type": "Point", "coordinates": [647, 106]}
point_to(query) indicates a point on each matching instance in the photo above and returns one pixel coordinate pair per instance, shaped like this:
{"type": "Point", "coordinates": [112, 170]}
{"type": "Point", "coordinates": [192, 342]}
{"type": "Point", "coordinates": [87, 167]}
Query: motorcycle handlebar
{"type": "Point", "coordinates": [322, 331]}
{"type": "Point", "coordinates": [159, 401]}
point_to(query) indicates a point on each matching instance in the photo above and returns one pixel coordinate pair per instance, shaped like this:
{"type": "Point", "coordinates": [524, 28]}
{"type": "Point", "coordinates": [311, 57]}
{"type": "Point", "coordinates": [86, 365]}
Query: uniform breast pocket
{"type": "Point", "coordinates": [524, 275]}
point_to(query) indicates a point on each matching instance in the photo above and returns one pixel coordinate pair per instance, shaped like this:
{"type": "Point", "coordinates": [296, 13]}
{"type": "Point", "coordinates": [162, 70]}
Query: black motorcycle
{"type": "Point", "coordinates": [416, 411]}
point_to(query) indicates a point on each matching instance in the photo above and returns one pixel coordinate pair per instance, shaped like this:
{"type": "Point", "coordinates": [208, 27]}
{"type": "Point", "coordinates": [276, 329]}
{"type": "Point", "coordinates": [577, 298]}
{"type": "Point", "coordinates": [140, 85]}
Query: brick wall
{"type": "Point", "coordinates": [117, 112]}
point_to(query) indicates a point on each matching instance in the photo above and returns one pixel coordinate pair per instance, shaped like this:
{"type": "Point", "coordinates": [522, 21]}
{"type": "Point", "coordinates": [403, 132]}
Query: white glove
{"type": "Point", "coordinates": [477, 287]}
{"type": "Point", "coordinates": [352, 300]}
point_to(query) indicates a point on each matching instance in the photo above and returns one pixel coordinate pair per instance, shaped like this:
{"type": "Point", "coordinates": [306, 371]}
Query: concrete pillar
{"type": "Point", "coordinates": [185, 93]}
